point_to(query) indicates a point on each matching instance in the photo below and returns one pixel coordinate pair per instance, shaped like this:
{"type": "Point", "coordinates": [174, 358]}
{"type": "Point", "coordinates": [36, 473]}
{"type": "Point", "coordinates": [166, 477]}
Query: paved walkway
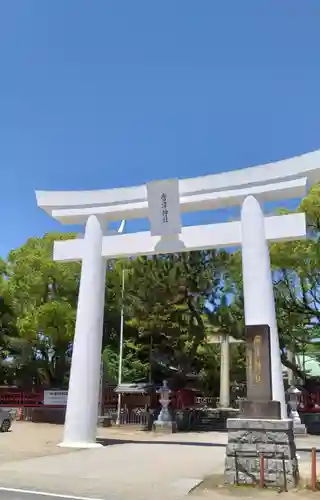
{"type": "Point", "coordinates": [132, 465]}
{"type": "Point", "coordinates": [120, 471]}
{"type": "Point", "coordinates": [16, 494]}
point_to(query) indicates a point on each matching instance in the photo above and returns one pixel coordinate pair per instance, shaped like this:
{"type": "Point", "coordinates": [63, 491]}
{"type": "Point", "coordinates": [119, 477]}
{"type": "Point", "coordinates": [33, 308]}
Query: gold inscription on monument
{"type": "Point", "coordinates": [258, 363]}
{"type": "Point", "coordinates": [257, 358]}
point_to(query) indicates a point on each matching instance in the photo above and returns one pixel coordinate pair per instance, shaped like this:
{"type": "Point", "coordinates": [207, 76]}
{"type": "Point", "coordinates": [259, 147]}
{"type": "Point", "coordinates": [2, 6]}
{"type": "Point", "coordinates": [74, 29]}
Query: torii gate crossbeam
{"type": "Point", "coordinates": [223, 235]}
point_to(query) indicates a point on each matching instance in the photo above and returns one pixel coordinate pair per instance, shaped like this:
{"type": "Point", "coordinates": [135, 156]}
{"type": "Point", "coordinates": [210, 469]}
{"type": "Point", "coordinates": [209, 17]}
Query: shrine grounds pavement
{"type": "Point", "coordinates": [132, 464]}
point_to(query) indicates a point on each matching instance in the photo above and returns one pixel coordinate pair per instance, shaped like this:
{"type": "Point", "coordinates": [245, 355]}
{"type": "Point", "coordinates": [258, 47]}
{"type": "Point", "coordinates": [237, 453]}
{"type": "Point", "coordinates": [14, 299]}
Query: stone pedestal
{"type": "Point", "coordinates": [164, 424]}
{"type": "Point", "coordinates": [299, 429]}
{"type": "Point", "coordinates": [248, 439]}
{"type": "Point", "coordinates": [164, 427]}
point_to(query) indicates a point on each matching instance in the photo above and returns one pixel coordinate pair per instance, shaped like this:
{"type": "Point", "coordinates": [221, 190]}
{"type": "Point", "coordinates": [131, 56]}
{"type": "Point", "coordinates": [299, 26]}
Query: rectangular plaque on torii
{"type": "Point", "coordinates": [259, 402]}
{"type": "Point", "coordinates": [259, 382]}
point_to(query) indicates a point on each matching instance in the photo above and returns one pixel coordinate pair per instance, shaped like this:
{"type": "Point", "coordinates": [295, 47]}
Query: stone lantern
{"type": "Point", "coordinates": [294, 395]}
{"type": "Point", "coordinates": [164, 421]}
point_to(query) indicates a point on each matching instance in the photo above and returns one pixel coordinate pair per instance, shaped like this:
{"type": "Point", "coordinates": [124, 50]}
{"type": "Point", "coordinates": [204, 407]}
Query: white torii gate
{"type": "Point", "coordinates": [162, 203]}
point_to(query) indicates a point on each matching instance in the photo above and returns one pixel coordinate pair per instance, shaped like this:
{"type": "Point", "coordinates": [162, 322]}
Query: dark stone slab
{"type": "Point", "coordinates": [259, 381]}
{"type": "Point", "coordinates": [205, 419]}
{"type": "Point", "coordinates": [46, 414]}
{"type": "Point", "coordinates": [260, 409]}
{"type": "Point", "coordinates": [312, 422]}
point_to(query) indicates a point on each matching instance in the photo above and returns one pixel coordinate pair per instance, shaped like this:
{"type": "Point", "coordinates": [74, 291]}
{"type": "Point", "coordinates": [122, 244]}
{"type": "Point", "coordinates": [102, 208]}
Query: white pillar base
{"type": "Point", "coordinates": [80, 445]}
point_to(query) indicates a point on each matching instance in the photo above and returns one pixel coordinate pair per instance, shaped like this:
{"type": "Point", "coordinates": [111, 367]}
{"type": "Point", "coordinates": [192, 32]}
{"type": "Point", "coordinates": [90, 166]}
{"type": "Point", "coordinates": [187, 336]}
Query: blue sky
{"type": "Point", "coordinates": [107, 93]}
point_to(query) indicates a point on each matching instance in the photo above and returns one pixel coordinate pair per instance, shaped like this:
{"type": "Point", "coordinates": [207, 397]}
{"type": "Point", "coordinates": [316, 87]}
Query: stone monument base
{"type": "Point", "coordinates": [248, 439]}
{"type": "Point", "coordinates": [164, 427]}
{"type": "Point", "coordinates": [299, 429]}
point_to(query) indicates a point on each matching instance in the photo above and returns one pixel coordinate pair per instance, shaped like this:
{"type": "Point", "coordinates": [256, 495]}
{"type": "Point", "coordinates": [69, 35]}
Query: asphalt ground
{"type": "Point", "coordinates": [17, 494]}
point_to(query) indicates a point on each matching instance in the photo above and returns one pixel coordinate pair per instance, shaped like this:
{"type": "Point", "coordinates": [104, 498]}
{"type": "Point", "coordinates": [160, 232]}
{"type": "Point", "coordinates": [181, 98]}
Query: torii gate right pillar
{"type": "Point", "coordinates": [259, 303]}
{"type": "Point", "coordinates": [252, 436]}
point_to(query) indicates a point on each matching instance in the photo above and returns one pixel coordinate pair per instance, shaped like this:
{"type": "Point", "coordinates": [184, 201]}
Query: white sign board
{"type": "Point", "coordinates": [164, 207]}
{"type": "Point", "coordinates": [58, 398]}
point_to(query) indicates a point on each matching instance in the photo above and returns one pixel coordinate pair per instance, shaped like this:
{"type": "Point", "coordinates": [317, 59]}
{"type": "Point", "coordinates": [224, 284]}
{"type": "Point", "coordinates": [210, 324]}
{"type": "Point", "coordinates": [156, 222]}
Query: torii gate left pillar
{"type": "Point", "coordinates": [82, 408]}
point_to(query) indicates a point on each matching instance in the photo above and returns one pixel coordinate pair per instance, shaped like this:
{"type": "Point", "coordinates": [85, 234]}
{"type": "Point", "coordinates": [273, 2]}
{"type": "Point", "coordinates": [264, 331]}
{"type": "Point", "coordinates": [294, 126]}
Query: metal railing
{"type": "Point", "coordinates": [134, 416]}
{"type": "Point", "coordinates": [262, 460]}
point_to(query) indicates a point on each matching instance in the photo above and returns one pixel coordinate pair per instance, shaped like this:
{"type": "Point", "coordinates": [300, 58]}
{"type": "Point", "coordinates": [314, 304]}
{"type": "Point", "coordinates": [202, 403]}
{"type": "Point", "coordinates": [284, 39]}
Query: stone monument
{"type": "Point", "coordinates": [260, 429]}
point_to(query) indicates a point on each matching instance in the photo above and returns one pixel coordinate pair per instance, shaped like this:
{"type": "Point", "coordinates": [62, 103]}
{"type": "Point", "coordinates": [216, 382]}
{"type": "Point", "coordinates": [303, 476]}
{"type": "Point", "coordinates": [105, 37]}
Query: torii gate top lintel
{"type": "Point", "coordinates": [271, 182]}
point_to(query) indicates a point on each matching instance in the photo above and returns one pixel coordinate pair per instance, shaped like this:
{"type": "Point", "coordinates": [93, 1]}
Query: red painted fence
{"type": "Point", "coordinates": [14, 398]}
{"type": "Point", "coordinates": [310, 401]}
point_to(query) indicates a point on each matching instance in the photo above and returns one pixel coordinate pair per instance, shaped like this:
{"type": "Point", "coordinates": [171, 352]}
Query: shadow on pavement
{"type": "Point", "coordinates": [111, 442]}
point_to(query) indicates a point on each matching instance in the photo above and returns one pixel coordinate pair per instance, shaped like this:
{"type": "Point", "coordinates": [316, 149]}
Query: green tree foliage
{"type": "Point", "coordinates": [133, 369]}
{"type": "Point", "coordinates": [296, 268]}
{"type": "Point", "coordinates": [166, 299]}
{"type": "Point", "coordinates": [42, 295]}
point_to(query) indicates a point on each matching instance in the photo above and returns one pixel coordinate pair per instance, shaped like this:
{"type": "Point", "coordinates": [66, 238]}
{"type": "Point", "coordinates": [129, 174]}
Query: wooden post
{"type": "Point", "coordinates": [261, 483]}
{"type": "Point", "coordinates": [314, 469]}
